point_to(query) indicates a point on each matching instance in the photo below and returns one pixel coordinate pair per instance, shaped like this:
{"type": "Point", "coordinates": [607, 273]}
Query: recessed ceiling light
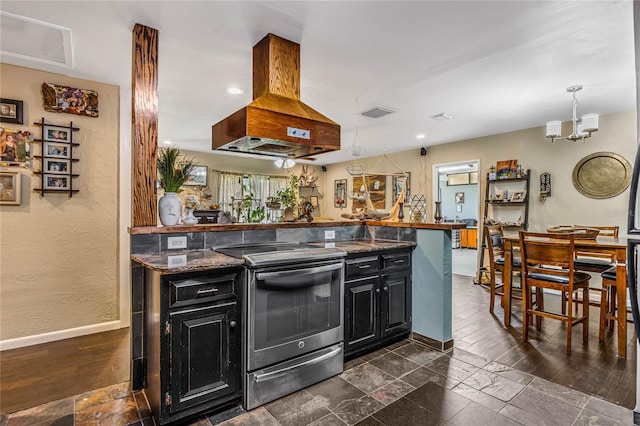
{"type": "Point", "coordinates": [421, 136]}
{"type": "Point", "coordinates": [166, 142]}
{"type": "Point", "coordinates": [442, 117]}
{"type": "Point", "coordinates": [235, 91]}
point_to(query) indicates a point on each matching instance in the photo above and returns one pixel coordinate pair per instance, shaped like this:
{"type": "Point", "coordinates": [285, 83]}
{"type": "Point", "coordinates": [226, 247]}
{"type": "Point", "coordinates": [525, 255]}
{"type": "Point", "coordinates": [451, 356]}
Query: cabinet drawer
{"type": "Point", "coordinates": [362, 266]}
{"type": "Point", "coordinates": [202, 289]}
{"type": "Point", "coordinates": [396, 261]}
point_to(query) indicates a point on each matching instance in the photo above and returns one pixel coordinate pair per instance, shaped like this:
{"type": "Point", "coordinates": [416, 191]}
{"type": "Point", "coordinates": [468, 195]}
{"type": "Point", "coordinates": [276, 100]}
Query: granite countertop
{"type": "Point", "coordinates": [178, 261]}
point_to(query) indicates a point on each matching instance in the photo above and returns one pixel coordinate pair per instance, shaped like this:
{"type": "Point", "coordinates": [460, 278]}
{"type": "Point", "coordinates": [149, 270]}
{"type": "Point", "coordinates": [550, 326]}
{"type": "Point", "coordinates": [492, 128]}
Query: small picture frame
{"type": "Point", "coordinates": [459, 208]}
{"type": "Point", "coordinates": [11, 111]}
{"type": "Point", "coordinates": [10, 188]}
{"type": "Point", "coordinates": [518, 196]}
{"type": "Point", "coordinates": [459, 198]}
{"type": "Point", "coordinates": [56, 134]}
{"type": "Point", "coordinates": [56, 166]}
{"type": "Point", "coordinates": [56, 150]}
{"type": "Point", "coordinates": [314, 200]}
{"type": "Point", "coordinates": [198, 176]}
{"type": "Point", "coordinates": [57, 182]}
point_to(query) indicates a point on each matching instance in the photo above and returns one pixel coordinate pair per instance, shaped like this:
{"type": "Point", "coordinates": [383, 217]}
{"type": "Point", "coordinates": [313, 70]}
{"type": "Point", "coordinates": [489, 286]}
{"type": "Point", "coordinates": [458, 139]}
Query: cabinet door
{"type": "Point", "coordinates": [395, 303]}
{"type": "Point", "coordinates": [205, 354]}
{"type": "Point", "coordinates": [472, 238]}
{"type": "Point", "coordinates": [361, 326]}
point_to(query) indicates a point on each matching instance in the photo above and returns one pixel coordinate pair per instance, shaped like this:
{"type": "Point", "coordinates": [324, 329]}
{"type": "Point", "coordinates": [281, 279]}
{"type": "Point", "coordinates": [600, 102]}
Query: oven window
{"type": "Point", "coordinates": [294, 306]}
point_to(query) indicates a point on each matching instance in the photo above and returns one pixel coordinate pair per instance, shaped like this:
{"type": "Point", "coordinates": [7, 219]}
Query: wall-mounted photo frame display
{"type": "Point", "coordinates": [56, 150]}
{"type": "Point", "coordinates": [56, 166]}
{"type": "Point", "coordinates": [314, 201]}
{"type": "Point", "coordinates": [198, 176]}
{"type": "Point", "coordinates": [458, 179]}
{"type": "Point", "coordinates": [10, 188]}
{"type": "Point", "coordinates": [459, 197]}
{"type": "Point", "coordinates": [57, 182]}
{"type": "Point", "coordinates": [11, 111]}
{"type": "Point", "coordinates": [57, 134]}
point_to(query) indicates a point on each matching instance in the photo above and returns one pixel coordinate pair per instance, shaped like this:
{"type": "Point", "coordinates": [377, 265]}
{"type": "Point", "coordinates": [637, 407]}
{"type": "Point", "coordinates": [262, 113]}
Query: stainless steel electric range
{"type": "Point", "coordinates": [293, 314]}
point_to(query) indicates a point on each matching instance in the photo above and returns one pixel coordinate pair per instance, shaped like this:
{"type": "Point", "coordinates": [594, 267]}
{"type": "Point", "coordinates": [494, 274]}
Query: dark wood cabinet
{"type": "Point", "coordinates": [193, 348]}
{"type": "Point", "coordinates": [377, 300]}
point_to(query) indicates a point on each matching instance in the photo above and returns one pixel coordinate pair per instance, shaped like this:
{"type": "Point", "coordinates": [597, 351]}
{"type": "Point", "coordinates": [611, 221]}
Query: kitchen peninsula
{"type": "Point", "coordinates": [400, 271]}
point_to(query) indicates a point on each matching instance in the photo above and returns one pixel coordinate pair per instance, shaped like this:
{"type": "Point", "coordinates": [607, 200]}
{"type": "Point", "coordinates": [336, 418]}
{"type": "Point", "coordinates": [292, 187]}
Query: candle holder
{"type": "Point", "coordinates": [437, 216]}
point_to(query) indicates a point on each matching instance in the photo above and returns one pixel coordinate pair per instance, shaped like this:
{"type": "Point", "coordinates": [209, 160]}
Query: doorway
{"type": "Point", "coordinates": [458, 190]}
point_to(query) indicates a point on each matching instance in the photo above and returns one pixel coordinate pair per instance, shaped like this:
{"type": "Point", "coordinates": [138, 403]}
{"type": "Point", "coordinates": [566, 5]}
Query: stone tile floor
{"type": "Point", "coordinates": [404, 384]}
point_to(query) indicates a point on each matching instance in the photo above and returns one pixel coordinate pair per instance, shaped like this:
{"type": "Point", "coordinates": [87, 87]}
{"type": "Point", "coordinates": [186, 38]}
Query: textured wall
{"type": "Point", "coordinates": [58, 255]}
{"type": "Point", "coordinates": [566, 206]}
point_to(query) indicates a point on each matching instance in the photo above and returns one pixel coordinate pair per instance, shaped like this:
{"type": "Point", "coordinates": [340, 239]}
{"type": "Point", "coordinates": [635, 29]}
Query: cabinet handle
{"type": "Point", "coordinates": [206, 291]}
{"type": "Point", "coordinates": [398, 261]}
{"type": "Point", "coordinates": [232, 324]}
{"type": "Point", "coordinates": [385, 288]}
{"type": "Point", "coordinates": [364, 266]}
{"type": "Point", "coordinates": [377, 290]}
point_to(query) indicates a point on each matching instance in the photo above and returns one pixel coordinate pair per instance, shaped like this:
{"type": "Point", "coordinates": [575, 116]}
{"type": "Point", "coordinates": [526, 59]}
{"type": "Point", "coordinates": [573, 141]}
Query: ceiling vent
{"type": "Point", "coordinates": [377, 112]}
{"type": "Point", "coordinates": [35, 40]}
{"type": "Point", "coordinates": [442, 117]}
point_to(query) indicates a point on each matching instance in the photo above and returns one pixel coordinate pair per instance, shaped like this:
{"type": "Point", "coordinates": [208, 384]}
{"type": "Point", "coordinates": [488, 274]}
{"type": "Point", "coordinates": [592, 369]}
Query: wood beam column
{"type": "Point", "coordinates": [144, 126]}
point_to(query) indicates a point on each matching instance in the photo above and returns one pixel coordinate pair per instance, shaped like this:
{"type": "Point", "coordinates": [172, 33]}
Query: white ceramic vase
{"type": "Point", "coordinates": [169, 209]}
{"type": "Point", "coordinates": [189, 218]}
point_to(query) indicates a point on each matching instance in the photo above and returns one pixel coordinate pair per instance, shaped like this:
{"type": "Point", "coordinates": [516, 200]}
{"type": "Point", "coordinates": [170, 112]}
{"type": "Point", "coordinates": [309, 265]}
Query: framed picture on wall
{"type": "Point", "coordinates": [56, 166]}
{"type": "Point", "coordinates": [11, 111]}
{"type": "Point", "coordinates": [56, 134]}
{"type": "Point", "coordinates": [56, 182]}
{"type": "Point", "coordinates": [198, 177]}
{"type": "Point", "coordinates": [459, 197]}
{"type": "Point", "coordinates": [56, 150]}
{"type": "Point", "coordinates": [10, 188]}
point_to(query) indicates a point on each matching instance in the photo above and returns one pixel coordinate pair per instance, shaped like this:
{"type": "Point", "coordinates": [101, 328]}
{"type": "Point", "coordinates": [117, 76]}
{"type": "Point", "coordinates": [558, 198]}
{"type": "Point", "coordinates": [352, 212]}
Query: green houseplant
{"type": "Point", "coordinates": [174, 170]}
{"type": "Point", "coordinates": [288, 197]}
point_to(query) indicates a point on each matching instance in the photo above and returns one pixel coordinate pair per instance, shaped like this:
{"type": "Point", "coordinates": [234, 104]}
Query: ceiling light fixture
{"type": "Point", "coordinates": [235, 91]}
{"type": "Point", "coordinates": [281, 163]}
{"type": "Point", "coordinates": [356, 150]}
{"type": "Point", "coordinates": [167, 142]}
{"type": "Point", "coordinates": [582, 128]}
{"type": "Point", "coordinates": [421, 136]}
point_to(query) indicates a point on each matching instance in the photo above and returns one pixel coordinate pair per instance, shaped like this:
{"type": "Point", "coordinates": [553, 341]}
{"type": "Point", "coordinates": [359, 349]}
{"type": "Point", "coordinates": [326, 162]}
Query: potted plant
{"type": "Point", "coordinates": [289, 197]}
{"type": "Point", "coordinates": [174, 170]}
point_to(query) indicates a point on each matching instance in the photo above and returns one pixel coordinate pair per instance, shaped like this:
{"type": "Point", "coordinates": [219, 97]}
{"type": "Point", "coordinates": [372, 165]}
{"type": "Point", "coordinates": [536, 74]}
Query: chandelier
{"type": "Point", "coordinates": [582, 128]}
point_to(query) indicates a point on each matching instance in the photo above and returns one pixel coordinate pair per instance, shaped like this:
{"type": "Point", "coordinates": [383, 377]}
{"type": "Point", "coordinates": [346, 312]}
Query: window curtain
{"type": "Point", "coordinates": [230, 185]}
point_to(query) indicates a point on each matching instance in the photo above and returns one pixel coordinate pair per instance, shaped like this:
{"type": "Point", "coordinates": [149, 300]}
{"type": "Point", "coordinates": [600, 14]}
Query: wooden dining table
{"type": "Point", "coordinates": [603, 245]}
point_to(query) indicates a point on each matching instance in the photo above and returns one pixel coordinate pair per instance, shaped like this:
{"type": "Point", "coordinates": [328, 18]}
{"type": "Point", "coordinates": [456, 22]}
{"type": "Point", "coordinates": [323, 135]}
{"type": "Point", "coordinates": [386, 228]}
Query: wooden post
{"type": "Point", "coordinates": [144, 126]}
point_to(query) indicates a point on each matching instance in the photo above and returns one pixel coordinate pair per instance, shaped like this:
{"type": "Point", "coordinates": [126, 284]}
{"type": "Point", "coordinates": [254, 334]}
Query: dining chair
{"type": "Point", "coordinates": [495, 247]}
{"type": "Point", "coordinates": [605, 264]}
{"type": "Point", "coordinates": [610, 302]}
{"type": "Point", "coordinates": [548, 263]}
{"type": "Point", "coordinates": [593, 262]}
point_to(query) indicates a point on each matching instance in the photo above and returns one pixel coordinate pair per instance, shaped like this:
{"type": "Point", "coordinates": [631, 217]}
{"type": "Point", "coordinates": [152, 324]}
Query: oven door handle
{"type": "Point", "coordinates": [273, 374]}
{"type": "Point", "coordinates": [262, 276]}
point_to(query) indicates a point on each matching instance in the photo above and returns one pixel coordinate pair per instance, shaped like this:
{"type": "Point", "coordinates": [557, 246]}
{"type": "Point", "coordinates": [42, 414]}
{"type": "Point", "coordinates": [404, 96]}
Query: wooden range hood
{"type": "Point", "coordinates": [276, 123]}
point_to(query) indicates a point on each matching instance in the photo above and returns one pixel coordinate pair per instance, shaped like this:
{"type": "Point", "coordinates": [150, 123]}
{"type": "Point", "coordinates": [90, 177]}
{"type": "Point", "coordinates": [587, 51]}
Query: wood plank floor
{"type": "Point", "coordinates": [41, 373]}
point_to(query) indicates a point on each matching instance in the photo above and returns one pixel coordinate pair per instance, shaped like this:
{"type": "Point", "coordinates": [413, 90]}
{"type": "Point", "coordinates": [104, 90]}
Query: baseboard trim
{"type": "Point", "coordinates": [36, 339]}
{"type": "Point", "coordinates": [432, 343]}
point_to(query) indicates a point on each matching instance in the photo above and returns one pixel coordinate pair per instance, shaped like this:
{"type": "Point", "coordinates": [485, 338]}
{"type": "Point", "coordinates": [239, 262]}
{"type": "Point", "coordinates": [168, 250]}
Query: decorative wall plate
{"type": "Point", "coordinates": [602, 175]}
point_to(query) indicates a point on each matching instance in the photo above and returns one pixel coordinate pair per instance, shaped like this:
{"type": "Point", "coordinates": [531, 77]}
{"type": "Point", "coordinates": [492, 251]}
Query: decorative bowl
{"type": "Point", "coordinates": [580, 233]}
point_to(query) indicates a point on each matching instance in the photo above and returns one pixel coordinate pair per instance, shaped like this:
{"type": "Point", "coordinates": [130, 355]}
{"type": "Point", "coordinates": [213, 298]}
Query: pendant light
{"type": "Point", "coordinates": [582, 128]}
